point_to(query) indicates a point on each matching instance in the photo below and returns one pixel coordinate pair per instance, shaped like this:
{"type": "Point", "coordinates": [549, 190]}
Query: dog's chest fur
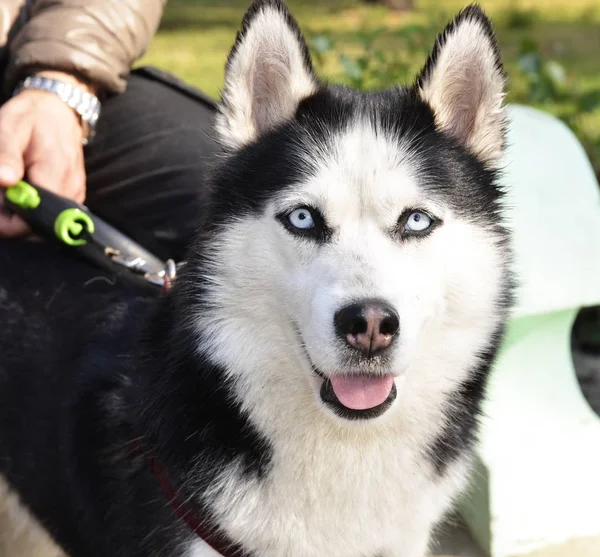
{"type": "Point", "coordinates": [337, 497]}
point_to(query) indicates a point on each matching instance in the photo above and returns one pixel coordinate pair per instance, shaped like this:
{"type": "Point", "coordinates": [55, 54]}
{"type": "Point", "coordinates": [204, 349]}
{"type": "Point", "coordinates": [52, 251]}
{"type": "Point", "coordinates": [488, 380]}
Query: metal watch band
{"type": "Point", "coordinates": [86, 105]}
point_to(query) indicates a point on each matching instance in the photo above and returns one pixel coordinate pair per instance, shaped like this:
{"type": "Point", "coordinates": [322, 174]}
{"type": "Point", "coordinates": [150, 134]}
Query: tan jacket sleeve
{"type": "Point", "coordinates": [10, 12]}
{"type": "Point", "coordinates": [95, 39]}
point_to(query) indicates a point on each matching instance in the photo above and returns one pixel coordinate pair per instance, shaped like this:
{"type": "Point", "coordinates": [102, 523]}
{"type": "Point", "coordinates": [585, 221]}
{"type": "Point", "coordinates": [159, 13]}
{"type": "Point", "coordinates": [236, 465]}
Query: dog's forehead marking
{"type": "Point", "coordinates": [365, 172]}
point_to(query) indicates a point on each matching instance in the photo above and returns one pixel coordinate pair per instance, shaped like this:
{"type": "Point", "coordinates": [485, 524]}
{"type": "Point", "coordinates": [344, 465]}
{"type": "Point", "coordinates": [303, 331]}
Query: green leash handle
{"type": "Point", "coordinates": [73, 225]}
{"type": "Point", "coordinates": [51, 215]}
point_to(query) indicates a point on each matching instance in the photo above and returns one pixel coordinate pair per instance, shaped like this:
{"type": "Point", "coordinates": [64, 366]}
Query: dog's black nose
{"type": "Point", "coordinates": [367, 326]}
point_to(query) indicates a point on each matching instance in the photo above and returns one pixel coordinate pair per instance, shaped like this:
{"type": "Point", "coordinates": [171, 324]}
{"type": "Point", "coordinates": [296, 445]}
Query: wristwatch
{"type": "Point", "coordinates": [85, 104]}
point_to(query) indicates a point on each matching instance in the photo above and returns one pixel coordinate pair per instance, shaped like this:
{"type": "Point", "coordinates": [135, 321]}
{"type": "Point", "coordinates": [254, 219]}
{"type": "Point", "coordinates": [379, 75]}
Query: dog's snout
{"type": "Point", "coordinates": [368, 326]}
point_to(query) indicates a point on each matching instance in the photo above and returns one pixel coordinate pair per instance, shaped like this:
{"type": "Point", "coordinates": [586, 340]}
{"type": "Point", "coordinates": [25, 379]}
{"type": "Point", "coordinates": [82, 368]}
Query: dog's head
{"type": "Point", "coordinates": [356, 251]}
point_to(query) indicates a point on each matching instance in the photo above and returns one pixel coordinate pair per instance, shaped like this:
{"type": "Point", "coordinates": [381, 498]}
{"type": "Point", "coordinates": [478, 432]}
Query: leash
{"type": "Point", "coordinates": [202, 528]}
{"type": "Point", "coordinates": [75, 227]}
{"type": "Point", "coordinates": [209, 534]}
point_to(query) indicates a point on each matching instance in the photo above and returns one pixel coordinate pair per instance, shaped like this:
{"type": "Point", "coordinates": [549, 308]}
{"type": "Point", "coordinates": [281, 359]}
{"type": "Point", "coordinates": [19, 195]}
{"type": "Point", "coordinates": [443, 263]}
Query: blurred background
{"type": "Point", "coordinates": [551, 48]}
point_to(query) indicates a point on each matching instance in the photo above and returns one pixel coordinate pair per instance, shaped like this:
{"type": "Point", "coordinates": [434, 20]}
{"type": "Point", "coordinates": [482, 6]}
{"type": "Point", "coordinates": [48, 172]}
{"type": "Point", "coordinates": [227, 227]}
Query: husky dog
{"type": "Point", "coordinates": [311, 385]}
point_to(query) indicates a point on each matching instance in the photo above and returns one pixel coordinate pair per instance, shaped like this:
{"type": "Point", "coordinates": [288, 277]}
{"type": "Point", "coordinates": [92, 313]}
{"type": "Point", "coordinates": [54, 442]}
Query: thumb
{"type": "Point", "coordinates": [11, 168]}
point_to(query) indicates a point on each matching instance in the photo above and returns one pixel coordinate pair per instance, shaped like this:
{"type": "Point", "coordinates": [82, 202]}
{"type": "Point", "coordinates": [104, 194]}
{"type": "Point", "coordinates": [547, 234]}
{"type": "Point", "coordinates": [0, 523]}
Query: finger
{"type": "Point", "coordinates": [13, 226]}
{"type": "Point", "coordinates": [15, 135]}
{"type": "Point", "coordinates": [49, 171]}
{"type": "Point", "coordinates": [75, 183]}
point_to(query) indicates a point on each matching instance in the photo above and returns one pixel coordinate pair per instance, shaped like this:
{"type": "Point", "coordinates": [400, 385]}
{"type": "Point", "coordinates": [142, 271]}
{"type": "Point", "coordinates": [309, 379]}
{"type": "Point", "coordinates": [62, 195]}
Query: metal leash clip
{"type": "Point", "coordinates": [163, 278]}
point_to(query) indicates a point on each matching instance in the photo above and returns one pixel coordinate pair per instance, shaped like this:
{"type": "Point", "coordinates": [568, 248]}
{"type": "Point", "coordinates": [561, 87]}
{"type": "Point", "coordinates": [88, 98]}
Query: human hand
{"type": "Point", "coordinates": [40, 136]}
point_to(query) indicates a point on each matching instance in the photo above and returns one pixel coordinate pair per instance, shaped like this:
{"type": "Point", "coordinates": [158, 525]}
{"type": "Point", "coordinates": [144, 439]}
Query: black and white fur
{"type": "Point", "coordinates": [221, 380]}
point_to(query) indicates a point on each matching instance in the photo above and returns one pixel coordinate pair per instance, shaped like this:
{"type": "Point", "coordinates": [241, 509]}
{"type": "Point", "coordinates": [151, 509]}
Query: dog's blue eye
{"type": "Point", "coordinates": [301, 218]}
{"type": "Point", "coordinates": [418, 222]}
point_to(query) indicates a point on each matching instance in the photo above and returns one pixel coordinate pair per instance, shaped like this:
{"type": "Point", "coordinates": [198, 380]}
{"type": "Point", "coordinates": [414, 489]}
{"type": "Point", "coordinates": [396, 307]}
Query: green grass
{"type": "Point", "coordinates": [196, 35]}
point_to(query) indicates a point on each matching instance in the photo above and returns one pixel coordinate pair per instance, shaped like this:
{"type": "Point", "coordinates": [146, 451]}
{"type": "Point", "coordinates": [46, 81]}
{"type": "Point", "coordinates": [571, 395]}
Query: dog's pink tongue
{"type": "Point", "coordinates": [361, 393]}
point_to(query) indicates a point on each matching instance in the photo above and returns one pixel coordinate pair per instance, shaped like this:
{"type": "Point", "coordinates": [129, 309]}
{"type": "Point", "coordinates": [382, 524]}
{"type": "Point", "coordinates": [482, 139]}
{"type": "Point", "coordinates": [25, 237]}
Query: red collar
{"type": "Point", "coordinates": [202, 529]}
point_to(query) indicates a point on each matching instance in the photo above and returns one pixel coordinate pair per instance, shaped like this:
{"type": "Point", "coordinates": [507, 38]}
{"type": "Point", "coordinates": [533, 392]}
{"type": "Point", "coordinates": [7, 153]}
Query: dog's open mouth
{"type": "Point", "coordinates": [358, 397]}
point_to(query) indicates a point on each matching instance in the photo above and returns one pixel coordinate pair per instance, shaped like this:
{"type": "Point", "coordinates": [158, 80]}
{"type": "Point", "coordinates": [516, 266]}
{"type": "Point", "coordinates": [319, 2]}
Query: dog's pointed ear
{"type": "Point", "coordinates": [463, 82]}
{"type": "Point", "coordinates": [268, 73]}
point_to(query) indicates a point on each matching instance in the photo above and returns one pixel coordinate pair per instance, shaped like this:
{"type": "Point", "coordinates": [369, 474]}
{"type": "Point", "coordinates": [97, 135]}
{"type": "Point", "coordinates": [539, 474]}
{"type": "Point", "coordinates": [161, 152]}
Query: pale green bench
{"type": "Point", "coordinates": [537, 482]}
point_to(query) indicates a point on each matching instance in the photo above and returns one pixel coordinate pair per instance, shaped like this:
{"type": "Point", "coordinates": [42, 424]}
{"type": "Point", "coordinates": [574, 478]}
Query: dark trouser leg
{"type": "Point", "coordinates": [147, 166]}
